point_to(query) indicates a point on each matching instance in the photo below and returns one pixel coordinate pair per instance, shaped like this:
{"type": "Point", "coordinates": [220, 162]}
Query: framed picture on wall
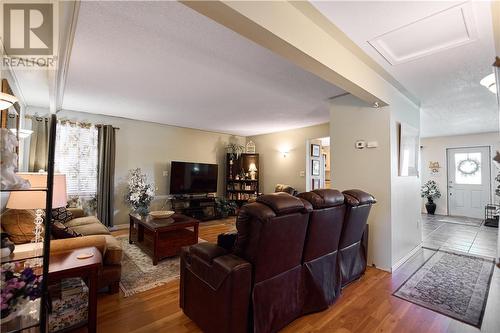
{"type": "Point", "coordinates": [315, 150]}
{"type": "Point", "coordinates": [315, 167]}
{"type": "Point", "coordinates": [408, 150]}
{"type": "Point", "coordinates": [315, 184]}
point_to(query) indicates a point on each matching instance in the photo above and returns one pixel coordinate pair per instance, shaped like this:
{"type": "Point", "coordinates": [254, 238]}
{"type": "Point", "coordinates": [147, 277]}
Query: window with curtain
{"type": "Point", "coordinates": [76, 156]}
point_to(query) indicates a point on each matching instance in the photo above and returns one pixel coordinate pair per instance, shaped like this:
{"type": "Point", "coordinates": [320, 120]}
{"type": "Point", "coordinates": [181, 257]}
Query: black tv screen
{"type": "Point", "coordinates": [193, 178]}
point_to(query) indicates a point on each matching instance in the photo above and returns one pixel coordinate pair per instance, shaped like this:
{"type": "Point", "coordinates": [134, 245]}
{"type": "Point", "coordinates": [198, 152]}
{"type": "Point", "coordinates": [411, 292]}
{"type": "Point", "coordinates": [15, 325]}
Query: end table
{"type": "Point", "coordinates": [67, 265]}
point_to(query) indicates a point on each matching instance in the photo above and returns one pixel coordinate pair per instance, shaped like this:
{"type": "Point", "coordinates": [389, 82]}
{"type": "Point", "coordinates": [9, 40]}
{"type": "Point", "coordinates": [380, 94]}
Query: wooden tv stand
{"type": "Point", "coordinates": [199, 207]}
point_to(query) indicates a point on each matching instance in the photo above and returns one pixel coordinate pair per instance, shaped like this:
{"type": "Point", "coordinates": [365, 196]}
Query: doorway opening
{"type": "Point", "coordinates": [318, 166]}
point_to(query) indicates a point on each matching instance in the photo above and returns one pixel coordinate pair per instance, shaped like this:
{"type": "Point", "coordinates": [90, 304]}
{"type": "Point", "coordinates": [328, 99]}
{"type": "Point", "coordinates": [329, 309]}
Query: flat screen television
{"type": "Point", "coordinates": [193, 178]}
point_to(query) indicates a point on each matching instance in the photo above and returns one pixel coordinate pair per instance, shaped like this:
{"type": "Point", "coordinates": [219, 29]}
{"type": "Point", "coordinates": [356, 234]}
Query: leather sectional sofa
{"type": "Point", "coordinates": [290, 256]}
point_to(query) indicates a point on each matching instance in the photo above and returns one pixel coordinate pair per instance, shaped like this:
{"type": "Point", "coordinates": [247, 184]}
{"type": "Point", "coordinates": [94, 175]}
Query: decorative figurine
{"type": "Point", "coordinates": [8, 161]}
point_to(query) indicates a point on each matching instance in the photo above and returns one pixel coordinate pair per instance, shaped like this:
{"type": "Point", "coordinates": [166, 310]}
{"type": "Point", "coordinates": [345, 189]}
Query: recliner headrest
{"type": "Point", "coordinates": [358, 198]}
{"type": "Point", "coordinates": [282, 203]}
{"type": "Point", "coordinates": [323, 198]}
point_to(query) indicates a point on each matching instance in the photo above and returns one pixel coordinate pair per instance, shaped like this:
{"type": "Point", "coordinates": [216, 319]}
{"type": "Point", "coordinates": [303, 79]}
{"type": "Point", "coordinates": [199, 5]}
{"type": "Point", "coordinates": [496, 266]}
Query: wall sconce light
{"type": "Point", "coordinates": [284, 152]}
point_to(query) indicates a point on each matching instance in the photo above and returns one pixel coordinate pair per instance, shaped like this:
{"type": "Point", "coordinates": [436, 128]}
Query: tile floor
{"type": "Point", "coordinates": [459, 234]}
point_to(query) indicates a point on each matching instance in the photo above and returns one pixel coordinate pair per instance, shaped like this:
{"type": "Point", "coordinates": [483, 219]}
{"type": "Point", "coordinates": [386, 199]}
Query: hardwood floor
{"type": "Point", "coordinates": [365, 306]}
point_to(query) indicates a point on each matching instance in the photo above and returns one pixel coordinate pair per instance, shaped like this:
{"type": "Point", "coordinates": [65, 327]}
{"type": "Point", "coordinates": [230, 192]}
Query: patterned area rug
{"type": "Point", "coordinates": [452, 284]}
{"type": "Point", "coordinates": [138, 272]}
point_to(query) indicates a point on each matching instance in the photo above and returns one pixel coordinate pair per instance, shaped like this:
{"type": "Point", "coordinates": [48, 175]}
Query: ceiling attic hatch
{"type": "Point", "coordinates": [446, 29]}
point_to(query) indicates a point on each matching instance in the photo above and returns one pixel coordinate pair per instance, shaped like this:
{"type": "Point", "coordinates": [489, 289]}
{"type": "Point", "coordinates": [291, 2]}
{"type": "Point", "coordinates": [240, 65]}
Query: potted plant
{"type": "Point", "coordinates": [140, 193]}
{"type": "Point", "coordinates": [225, 207]}
{"type": "Point", "coordinates": [235, 150]}
{"type": "Point", "coordinates": [430, 190]}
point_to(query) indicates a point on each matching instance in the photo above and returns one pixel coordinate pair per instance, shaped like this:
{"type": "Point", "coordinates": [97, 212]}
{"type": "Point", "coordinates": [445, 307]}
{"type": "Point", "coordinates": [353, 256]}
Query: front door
{"type": "Point", "coordinates": [468, 181]}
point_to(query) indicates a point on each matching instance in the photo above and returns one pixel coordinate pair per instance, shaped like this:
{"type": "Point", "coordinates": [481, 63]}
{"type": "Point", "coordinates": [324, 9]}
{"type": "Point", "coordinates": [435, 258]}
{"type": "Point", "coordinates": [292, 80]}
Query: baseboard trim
{"type": "Point", "coordinates": [406, 257]}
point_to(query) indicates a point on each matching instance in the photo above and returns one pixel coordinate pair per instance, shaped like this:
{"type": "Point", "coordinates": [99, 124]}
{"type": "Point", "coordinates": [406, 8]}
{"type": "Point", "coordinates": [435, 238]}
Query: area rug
{"type": "Point", "coordinates": [138, 272]}
{"type": "Point", "coordinates": [452, 284]}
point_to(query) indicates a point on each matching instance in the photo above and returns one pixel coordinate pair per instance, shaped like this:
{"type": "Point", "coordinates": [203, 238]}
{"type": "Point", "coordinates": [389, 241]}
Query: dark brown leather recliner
{"type": "Point", "coordinates": [262, 273]}
{"type": "Point", "coordinates": [320, 259]}
{"type": "Point", "coordinates": [353, 245]}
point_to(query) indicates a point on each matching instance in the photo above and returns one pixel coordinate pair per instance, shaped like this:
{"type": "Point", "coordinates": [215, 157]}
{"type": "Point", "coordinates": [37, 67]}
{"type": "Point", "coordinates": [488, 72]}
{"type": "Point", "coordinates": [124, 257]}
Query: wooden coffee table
{"type": "Point", "coordinates": [161, 238]}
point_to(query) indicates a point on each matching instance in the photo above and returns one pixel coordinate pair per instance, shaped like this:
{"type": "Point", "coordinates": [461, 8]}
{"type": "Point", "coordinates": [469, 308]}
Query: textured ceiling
{"type": "Point", "coordinates": [163, 62]}
{"type": "Point", "coordinates": [447, 83]}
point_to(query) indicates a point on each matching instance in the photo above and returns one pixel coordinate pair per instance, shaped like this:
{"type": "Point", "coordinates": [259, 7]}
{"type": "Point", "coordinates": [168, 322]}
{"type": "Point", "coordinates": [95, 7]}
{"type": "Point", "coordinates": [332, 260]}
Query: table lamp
{"type": "Point", "coordinates": [252, 168]}
{"type": "Point", "coordinates": [37, 199]}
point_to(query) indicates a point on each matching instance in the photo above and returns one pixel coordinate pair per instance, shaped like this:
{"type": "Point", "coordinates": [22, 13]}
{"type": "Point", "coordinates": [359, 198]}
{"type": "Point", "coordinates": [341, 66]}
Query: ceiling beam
{"type": "Point", "coordinates": [283, 28]}
{"type": "Point", "coordinates": [321, 20]}
{"type": "Point", "coordinates": [68, 17]}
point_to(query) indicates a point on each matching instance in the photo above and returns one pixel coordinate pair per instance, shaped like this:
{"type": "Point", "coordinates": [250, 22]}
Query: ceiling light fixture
{"type": "Point", "coordinates": [6, 101]}
{"type": "Point", "coordinates": [490, 83]}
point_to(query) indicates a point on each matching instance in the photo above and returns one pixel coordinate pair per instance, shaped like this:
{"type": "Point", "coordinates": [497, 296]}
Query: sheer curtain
{"type": "Point", "coordinates": [76, 156]}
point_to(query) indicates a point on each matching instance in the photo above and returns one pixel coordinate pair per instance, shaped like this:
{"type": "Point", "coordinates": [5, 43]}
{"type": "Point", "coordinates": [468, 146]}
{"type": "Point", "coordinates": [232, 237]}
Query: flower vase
{"type": "Point", "coordinates": [430, 206]}
{"type": "Point", "coordinates": [142, 211]}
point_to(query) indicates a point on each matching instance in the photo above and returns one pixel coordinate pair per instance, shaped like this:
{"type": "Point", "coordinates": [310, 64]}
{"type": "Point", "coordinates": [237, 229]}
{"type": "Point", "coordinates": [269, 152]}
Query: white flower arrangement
{"type": "Point", "coordinates": [430, 190]}
{"type": "Point", "coordinates": [140, 192]}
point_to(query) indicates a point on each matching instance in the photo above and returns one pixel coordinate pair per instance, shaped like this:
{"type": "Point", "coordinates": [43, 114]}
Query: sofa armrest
{"type": "Point", "coordinates": [227, 240]}
{"type": "Point", "coordinates": [77, 212]}
{"type": "Point", "coordinates": [69, 244]}
{"type": "Point", "coordinates": [215, 294]}
{"type": "Point", "coordinates": [207, 251]}
{"type": "Point", "coordinates": [212, 263]}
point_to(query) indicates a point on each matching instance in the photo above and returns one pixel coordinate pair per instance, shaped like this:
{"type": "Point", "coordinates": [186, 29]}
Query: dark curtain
{"type": "Point", "coordinates": [105, 174]}
{"type": "Point", "coordinates": [39, 144]}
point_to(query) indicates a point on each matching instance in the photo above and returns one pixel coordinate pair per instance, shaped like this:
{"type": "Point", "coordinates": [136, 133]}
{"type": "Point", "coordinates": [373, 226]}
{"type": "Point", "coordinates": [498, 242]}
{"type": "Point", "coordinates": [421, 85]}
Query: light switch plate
{"type": "Point", "coordinates": [302, 174]}
{"type": "Point", "coordinates": [165, 173]}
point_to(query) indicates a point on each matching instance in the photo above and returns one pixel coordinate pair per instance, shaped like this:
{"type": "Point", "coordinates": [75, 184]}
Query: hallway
{"type": "Point", "coordinates": [459, 234]}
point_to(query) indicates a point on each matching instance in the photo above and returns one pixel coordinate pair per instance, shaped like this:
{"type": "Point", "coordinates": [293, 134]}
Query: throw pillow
{"type": "Point", "coordinates": [60, 231]}
{"type": "Point", "coordinates": [62, 215]}
{"type": "Point", "coordinates": [19, 225]}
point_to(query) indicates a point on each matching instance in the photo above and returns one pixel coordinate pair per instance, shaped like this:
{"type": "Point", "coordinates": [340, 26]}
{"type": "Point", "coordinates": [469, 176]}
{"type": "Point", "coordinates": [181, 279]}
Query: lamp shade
{"type": "Point", "coordinates": [6, 101]}
{"type": "Point", "coordinates": [36, 199]}
{"type": "Point", "coordinates": [252, 167]}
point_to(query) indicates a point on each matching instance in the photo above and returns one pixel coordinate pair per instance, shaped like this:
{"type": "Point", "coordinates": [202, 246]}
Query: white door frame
{"type": "Point", "coordinates": [448, 174]}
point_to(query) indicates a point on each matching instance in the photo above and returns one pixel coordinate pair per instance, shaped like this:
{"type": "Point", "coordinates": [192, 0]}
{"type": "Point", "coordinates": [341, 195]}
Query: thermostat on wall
{"type": "Point", "coordinates": [360, 144]}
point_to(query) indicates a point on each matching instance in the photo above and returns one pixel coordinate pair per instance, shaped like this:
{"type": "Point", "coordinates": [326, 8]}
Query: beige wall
{"type": "Point", "coordinates": [152, 147]}
{"type": "Point", "coordinates": [366, 169]}
{"type": "Point", "coordinates": [394, 220]}
{"type": "Point", "coordinates": [434, 149]}
{"type": "Point", "coordinates": [274, 168]}
{"type": "Point", "coordinates": [406, 232]}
